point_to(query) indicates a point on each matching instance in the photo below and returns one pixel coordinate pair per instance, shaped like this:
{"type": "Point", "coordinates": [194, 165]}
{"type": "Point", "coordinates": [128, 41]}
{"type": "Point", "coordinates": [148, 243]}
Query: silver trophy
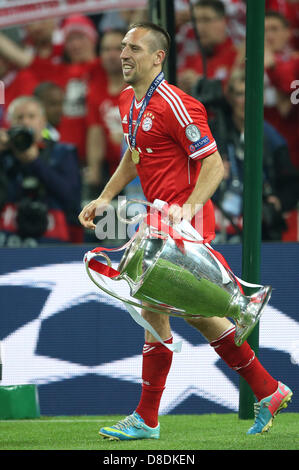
{"type": "Point", "coordinates": [188, 282]}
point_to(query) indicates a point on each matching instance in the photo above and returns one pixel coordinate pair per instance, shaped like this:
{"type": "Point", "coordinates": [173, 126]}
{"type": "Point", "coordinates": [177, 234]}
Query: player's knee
{"type": "Point", "coordinates": [197, 322]}
{"type": "Point", "coordinates": [210, 327]}
{"type": "Point", "coordinates": [153, 317]}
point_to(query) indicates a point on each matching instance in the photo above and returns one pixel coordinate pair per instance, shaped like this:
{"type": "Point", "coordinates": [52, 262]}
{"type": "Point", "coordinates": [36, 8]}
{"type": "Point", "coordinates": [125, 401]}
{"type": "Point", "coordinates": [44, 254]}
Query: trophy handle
{"type": "Point", "coordinates": [89, 256]}
{"type": "Point", "coordinates": [133, 220]}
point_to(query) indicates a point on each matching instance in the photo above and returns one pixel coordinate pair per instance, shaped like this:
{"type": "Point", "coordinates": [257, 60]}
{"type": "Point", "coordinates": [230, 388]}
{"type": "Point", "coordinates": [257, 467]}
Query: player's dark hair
{"type": "Point", "coordinates": [216, 5]}
{"type": "Point", "coordinates": [279, 16]}
{"type": "Point", "coordinates": [160, 34]}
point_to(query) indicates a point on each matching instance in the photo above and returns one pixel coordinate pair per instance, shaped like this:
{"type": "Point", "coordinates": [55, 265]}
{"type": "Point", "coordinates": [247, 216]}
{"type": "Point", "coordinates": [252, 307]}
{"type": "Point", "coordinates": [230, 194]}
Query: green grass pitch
{"type": "Point", "coordinates": [178, 432]}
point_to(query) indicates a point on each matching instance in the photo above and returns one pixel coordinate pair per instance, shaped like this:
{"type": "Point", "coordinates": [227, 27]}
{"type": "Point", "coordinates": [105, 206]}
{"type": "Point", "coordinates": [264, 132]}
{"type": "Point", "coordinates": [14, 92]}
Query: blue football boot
{"type": "Point", "coordinates": [130, 428]}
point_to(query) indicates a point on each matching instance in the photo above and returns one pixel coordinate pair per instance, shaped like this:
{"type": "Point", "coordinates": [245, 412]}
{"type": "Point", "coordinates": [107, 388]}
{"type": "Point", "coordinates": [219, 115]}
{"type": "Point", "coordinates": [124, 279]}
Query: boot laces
{"type": "Point", "coordinates": [130, 420]}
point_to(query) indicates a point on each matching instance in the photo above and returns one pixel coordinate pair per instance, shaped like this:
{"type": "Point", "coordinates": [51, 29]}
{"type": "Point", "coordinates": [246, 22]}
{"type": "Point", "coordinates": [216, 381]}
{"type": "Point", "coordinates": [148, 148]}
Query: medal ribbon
{"type": "Point", "coordinates": [154, 85]}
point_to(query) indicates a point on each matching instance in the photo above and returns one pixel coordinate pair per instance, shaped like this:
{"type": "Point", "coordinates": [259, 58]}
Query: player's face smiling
{"type": "Point", "coordinates": [136, 58]}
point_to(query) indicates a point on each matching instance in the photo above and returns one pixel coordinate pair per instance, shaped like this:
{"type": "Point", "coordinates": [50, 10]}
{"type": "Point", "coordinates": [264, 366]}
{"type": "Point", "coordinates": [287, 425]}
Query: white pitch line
{"type": "Point", "coordinates": [53, 421]}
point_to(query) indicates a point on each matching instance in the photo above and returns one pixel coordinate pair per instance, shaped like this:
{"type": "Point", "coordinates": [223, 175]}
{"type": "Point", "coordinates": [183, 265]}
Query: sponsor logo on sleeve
{"type": "Point", "coordinates": [199, 144]}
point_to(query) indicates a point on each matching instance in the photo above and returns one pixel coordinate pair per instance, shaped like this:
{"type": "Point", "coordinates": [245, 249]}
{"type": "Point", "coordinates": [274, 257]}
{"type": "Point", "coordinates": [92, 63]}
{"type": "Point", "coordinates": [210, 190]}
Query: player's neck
{"type": "Point", "coordinates": [141, 87]}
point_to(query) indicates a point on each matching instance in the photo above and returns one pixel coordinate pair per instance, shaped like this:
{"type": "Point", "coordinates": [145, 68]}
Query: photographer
{"type": "Point", "coordinates": [40, 182]}
{"type": "Point", "coordinates": [280, 178]}
{"type": "Point", "coordinates": [217, 53]}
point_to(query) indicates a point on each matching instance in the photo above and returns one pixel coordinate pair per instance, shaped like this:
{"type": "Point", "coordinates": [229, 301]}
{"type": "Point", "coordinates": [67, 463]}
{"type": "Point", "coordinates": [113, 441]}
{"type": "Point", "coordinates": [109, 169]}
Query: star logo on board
{"type": "Point", "coordinates": [194, 371]}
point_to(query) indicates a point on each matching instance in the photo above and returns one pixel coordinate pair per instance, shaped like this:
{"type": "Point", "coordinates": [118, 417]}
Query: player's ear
{"type": "Point", "coordinates": [159, 57]}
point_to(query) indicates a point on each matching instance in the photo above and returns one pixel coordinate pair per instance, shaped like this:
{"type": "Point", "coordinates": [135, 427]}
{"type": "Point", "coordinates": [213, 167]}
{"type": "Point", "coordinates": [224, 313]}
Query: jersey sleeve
{"type": "Point", "coordinates": [187, 122]}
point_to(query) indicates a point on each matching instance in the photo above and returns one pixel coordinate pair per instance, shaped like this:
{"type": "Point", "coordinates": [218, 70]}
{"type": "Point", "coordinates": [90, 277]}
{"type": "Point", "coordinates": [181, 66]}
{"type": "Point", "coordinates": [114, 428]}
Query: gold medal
{"type": "Point", "coordinates": [135, 156]}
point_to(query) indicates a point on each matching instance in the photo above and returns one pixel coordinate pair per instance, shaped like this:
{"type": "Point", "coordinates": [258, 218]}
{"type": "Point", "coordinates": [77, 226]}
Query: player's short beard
{"type": "Point", "coordinates": [131, 80]}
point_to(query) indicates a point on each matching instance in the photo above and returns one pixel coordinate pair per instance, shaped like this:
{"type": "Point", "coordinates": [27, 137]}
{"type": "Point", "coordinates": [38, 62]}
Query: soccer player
{"type": "Point", "coordinates": [172, 150]}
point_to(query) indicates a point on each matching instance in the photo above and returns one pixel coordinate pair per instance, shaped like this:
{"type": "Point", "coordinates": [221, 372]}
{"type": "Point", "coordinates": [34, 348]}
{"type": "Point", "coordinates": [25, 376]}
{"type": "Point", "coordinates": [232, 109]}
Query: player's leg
{"type": "Point", "coordinates": [160, 323]}
{"type": "Point", "coordinates": [220, 333]}
{"type": "Point", "coordinates": [156, 363]}
{"type": "Point", "coordinates": [210, 327]}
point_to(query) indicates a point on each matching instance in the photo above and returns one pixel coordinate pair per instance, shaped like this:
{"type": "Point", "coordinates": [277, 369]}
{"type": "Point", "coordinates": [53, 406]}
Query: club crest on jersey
{"type": "Point", "coordinates": [147, 122]}
{"type": "Point", "coordinates": [192, 133]}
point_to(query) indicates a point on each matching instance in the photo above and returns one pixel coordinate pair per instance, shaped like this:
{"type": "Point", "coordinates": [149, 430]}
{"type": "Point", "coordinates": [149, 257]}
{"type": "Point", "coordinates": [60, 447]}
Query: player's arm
{"type": "Point", "coordinates": [195, 137]}
{"type": "Point", "coordinates": [124, 174]}
{"type": "Point", "coordinates": [210, 176]}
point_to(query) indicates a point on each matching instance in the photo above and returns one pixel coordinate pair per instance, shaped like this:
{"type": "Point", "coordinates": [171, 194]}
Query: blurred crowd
{"type": "Point", "coordinates": [60, 130]}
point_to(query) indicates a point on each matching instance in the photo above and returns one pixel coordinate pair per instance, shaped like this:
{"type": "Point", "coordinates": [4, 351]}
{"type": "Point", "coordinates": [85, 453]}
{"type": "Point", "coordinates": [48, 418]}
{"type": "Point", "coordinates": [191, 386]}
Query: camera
{"type": "Point", "coordinates": [32, 214]}
{"type": "Point", "coordinates": [209, 92]}
{"type": "Point", "coordinates": [32, 219]}
{"type": "Point", "coordinates": [21, 138]}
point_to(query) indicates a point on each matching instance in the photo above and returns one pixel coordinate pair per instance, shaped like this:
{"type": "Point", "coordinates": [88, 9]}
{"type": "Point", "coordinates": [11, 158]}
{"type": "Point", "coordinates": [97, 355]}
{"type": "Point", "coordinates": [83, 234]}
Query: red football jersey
{"type": "Point", "coordinates": [172, 138]}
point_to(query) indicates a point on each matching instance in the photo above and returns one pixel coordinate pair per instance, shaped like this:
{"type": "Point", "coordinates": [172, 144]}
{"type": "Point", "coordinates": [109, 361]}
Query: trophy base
{"type": "Point", "coordinates": [250, 317]}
